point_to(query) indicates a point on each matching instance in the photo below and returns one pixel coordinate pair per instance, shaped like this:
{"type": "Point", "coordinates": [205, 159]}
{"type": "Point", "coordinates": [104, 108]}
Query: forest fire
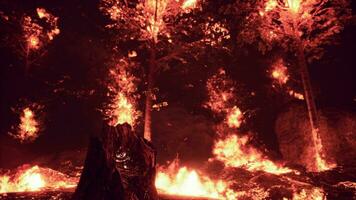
{"type": "Point", "coordinates": [234, 152]}
{"type": "Point", "coordinates": [35, 178]}
{"type": "Point", "coordinates": [253, 96]}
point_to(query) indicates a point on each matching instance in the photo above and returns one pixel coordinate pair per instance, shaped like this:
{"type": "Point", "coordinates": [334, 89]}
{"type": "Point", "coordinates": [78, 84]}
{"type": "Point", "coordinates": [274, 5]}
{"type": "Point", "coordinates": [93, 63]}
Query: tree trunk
{"type": "Point", "coordinates": [309, 98]}
{"type": "Point", "coordinates": [119, 166]}
{"type": "Point", "coordinates": [319, 161]}
{"type": "Point", "coordinates": [149, 94]}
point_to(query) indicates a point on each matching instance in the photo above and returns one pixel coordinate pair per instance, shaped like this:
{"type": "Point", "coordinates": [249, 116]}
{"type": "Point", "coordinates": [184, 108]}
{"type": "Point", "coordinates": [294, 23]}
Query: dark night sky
{"type": "Point", "coordinates": [75, 61]}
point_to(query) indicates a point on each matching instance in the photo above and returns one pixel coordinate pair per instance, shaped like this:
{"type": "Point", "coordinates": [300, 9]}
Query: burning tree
{"type": "Point", "coordinates": [303, 28]}
{"type": "Point", "coordinates": [35, 33]}
{"type": "Point", "coordinates": [122, 87]}
{"type": "Point", "coordinates": [162, 31]}
{"type": "Point", "coordinates": [30, 123]}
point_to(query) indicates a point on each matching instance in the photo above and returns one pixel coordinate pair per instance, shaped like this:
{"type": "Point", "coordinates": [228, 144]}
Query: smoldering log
{"type": "Point", "coordinates": [119, 165]}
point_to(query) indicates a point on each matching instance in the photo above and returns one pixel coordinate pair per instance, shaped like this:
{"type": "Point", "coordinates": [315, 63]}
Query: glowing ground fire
{"type": "Point", "coordinates": [182, 181]}
{"type": "Point", "coordinates": [235, 152]}
{"type": "Point", "coordinates": [35, 178]}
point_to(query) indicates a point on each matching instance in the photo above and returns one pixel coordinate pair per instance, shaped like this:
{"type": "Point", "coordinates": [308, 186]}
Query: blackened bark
{"type": "Point", "coordinates": [119, 165]}
{"type": "Point", "coordinates": [98, 181]}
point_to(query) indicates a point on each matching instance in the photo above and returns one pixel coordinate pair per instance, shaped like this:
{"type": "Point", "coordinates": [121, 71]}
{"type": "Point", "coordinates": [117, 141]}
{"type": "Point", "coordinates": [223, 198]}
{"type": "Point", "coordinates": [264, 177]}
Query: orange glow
{"type": "Point", "coordinates": [28, 129]}
{"type": "Point", "coordinates": [122, 87]}
{"type": "Point", "coordinates": [35, 35]}
{"type": "Point", "coordinates": [222, 99]}
{"type": "Point", "coordinates": [42, 13]}
{"type": "Point", "coordinates": [296, 95]}
{"type": "Point", "coordinates": [33, 42]}
{"type": "Point", "coordinates": [234, 117]}
{"type": "Point", "coordinates": [280, 72]}
{"type": "Point", "coordinates": [321, 164]}
{"type": "Point", "coordinates": [235, 152]}
{"type": "Point", "coordinates": [188, 4]}
{"type": "Point", "coordinates": [293, 5]}
{"type": "Point", "coordinates": [155, 11]}
{"type": "Point", "coordinates": [123, 111]}
{"type": "Point", "coordinates": [309, 194]}
{"type": "Point", "coordinates": [270, 5]}
{"type": "Point", "coordinates": [181, 181]}
{"type": "Point", "coordinates": [35, 178]}
{"type": "Point", "coordinates": [220, 92]}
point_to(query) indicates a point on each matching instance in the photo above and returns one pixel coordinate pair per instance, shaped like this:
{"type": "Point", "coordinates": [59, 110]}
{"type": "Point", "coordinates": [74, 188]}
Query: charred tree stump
{"type": "Point", "coordinates": [119, 166]}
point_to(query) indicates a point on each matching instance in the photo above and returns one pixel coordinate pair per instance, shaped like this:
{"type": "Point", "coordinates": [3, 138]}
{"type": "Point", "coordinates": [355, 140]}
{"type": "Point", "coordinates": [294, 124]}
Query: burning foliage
{"type": "Point", "coordinates": [281, 78]}
{"type": "Point", "coordinates": [123, 96]}
{"type": "Point", "coordinates": [147, 16]}
{"type": "Point", "coordinates": [222, 99]}
{"type": "Point", "coordinates": [29, 126]}
{"type": "Point", "coordinates": [39, 32]}
{"type": "Point", "coordinates": [279, 72]}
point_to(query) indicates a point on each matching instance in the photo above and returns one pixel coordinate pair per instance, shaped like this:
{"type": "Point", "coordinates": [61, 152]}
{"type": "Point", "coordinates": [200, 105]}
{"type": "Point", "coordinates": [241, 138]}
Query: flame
{"type": "Point", "coordinates": [122, 108]}
{"type": "Point", "coordinates": [35, 178]}
{"type": "Point", "coordinates": [293, 5]}
{"type": "Point", "coordinates": [311, 194]}
{"type": "Point", "coordinates": [155, 11]}
{"type": "Point", "coordinates": [220, 93]}
{"type": "Point", "coordinates": [296, 95]}
{"type": "Point", "coordinates": [280, 72]}
{"type": "Point", "coordinates": [35, 34]}
{"type": "Point", "coordinates": [42, 13]}
{"type": "Point", "coordinates": [28, 128]}
{"type": "Point", "coordinates": [181, 181]}
{"type": "Point", "coordinates": [270, 5]}
{"type": "Point", "coordinates": [234, 117]}
{"type": "Point", "coordinates": [321, 164]}
{"type": "Point", "coordinates": [189, 4]}
{"type": "Point", "coordinates": [33, 42]}
{"type": "Point", "coordinates": [234, 152]}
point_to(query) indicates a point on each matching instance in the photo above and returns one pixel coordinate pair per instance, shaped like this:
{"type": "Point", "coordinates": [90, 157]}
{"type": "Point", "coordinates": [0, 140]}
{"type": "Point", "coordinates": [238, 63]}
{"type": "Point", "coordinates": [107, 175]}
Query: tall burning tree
{"type": "Point", "coordinates": [37, 33]}
{"type": "Point", "coordinates": [145, 21]}
{"type": "Point", "coordinates": [161, 30]}
{"type": "Point", "coordinates": [303, 28]}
